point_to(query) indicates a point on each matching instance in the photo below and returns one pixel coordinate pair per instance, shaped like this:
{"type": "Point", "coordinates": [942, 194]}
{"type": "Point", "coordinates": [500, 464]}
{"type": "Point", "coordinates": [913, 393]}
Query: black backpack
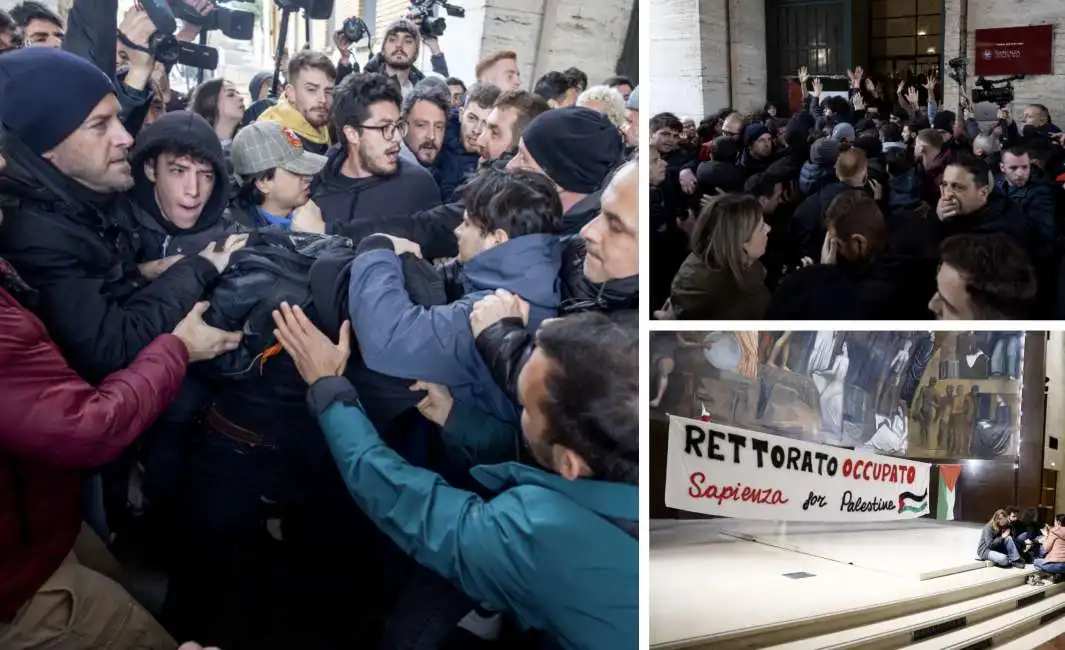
{"type": "Point", "coordinates": [273, 267]}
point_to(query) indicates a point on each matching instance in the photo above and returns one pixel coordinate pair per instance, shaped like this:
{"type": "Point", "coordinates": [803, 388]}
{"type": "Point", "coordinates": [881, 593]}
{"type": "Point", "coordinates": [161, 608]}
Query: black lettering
{"type": "Point", "coordinates": [777, 456]}
{"type": "Point", "coordinates": [818, 500]}
{"type": "Point", "coordinates": [851, 504]}
{"type": "Point", "coordinates": [715, 449]}
{"type": "Point", "coordinates": [833, 466]}
{"type": "Point", "coordinates": [793, 458]}
{"type": "Point", "coordinates": [807, 462]}
{"type": "Point", "coordinates": [820, 456]}
{"type": "Point", "coordinates": [737, 441]}
{"type": "Point", "coordinates": [760, 447]}
{"type": "Point", "coordinates": [694, 436]}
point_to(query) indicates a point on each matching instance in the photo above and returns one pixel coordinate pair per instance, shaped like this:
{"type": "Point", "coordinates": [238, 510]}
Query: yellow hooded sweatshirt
{"type": "Point", "coordinates": [287, 115]}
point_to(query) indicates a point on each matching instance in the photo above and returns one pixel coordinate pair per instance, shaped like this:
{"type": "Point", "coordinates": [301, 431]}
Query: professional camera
{"type": "Point", "coordinates": [429, 25]}
{"type": "Point", "coordinates": [238, 25]}
{"type": "Point", "coordinates": [354, 29]}
{"type": "Point", "coordinates": [995, 92]}
{"type": "Point", "coordinates": [165, 48]}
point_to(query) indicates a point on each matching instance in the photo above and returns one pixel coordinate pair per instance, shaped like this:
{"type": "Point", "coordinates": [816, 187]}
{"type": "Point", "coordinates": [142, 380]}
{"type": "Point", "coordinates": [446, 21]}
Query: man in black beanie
{"type": "Point", "coordinates": [576, 148]}
{"type": "Point", "coordinates": [399, 51]}
{"type": "Point", "coordinates": [67, 226]}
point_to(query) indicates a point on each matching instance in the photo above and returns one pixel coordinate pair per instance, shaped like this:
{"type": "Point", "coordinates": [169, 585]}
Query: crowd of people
{"type": "Point", "coordinates": [355, 365]}
{"type": "Point", "coordinates": [875, 205]}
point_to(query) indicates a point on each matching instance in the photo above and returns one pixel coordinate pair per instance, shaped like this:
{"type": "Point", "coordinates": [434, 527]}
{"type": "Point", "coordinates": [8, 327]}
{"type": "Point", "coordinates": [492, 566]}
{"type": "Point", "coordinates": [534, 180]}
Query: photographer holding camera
{"type": "Point", "coordinates": [399, 51]}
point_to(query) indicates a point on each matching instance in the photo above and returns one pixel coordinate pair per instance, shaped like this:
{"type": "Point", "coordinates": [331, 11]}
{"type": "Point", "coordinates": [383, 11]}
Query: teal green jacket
{"type": "Point", "coordinates": [562, 556]}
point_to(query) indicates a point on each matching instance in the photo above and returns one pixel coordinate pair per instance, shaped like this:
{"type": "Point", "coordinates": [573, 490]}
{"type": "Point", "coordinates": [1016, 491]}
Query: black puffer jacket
{"type": "Point", "coordinates": [505, 346]}
{"type": "Point", "coordinates": [78, 249]}
{"type": "Point", "coordinates": [182, 131]}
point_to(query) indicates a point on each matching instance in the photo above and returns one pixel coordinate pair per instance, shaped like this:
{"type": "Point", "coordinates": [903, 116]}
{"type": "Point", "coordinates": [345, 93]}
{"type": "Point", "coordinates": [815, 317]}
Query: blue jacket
{"type": "Point", "coordinates": [454, 163]}
{"type": "Point", "coordinates": [400, 338]}
{"type": "Point", "coordinates": [561, 556]}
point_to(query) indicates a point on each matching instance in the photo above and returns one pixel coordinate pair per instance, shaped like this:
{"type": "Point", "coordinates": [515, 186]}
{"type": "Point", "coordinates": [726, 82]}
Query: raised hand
{"type": "Point", "coordinates": [818, 88]}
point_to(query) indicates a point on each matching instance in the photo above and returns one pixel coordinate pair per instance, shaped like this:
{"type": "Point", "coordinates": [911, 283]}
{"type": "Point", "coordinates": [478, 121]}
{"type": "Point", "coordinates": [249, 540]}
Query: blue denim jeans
{"type": "Point", "coordinates": [1003, 551]}
{"type": "Point", "coordinates": [1049, 567]}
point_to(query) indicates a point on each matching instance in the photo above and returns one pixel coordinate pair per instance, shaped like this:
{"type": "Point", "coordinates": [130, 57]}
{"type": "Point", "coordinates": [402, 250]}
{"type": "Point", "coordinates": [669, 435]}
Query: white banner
{"type": "Point", "coordinates": [731, 472]}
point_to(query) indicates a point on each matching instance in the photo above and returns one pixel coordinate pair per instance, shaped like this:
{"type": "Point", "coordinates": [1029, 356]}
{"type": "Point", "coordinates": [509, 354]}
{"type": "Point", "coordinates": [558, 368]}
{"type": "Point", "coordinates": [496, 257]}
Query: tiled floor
{"type": "Point", "coordinates": [706, 581]}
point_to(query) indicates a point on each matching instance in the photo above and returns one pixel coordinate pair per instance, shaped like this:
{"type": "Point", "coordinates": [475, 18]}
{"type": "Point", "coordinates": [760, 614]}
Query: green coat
{"type": "Point", "coordinates": [554, 553]}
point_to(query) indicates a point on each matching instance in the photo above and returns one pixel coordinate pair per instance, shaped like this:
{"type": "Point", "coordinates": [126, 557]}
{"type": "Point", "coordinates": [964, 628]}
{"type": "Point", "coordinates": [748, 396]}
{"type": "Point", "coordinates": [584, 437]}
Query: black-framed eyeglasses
{"type": "Point", "coordinates": [388, 131]}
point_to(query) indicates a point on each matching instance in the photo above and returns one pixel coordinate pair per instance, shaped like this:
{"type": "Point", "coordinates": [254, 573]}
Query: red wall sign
{"type": "Point", "coordinates": [1015, 50]}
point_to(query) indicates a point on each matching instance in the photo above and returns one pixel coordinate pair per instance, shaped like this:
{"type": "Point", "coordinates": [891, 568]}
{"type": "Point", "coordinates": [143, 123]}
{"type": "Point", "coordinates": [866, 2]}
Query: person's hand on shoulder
{"type": "Point", "coordinates": [201, 340]}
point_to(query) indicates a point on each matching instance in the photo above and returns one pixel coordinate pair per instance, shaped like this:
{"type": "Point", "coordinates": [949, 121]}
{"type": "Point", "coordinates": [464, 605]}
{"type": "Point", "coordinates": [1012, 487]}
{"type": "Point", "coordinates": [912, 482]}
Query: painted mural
{"type": "Point", "coordinates": [917, 394]}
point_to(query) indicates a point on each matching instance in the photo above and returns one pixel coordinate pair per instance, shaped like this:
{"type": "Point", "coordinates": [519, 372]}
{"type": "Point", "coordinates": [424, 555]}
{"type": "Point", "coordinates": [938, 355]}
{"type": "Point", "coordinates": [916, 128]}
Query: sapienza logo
{"type": "Point", "coordinates": [988, 55]}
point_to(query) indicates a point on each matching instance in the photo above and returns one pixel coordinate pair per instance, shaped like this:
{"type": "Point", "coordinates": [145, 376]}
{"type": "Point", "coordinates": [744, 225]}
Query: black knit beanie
{"type": "Point", "coordinates": [64, 86]}
{"type": "Point", "coordinates": [575, 146]}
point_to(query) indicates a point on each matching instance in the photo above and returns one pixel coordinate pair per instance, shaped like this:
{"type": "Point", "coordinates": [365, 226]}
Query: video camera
{"type": "Point", "coordinates": [429, 25]}
{"type": "Point", "coordinates": [996, 92]}
{"type": "Point", "coordinates": [238, 25]}
{"type": "Point", "coordinates": [168, 50]}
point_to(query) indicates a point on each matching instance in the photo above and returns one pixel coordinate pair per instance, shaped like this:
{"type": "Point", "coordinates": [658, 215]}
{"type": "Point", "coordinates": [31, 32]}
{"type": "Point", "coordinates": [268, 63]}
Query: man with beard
{"type": "Point", "coordinates": [68, 227]}
{"type": "Point", "coordinates": [425, 111]}
{"type": "Point", "coordinates": [399, 51]}
{"type": "Point", "coordinates": [460, 154]}
{"type": "Point", "coordinates": [576, 148]}
{"type": "Point", "coordinates": [367, 179]}
{"type": "Point", "coordinates": [600, 272]}
{"type": "Point", "coordinates": [499, 69]}
{"type": "Point", "coordinates": [506, 124]}
{"type": "Point", "coordinates": [308, 100]}
{"type": "Point", "coordinates": [1034, 196]}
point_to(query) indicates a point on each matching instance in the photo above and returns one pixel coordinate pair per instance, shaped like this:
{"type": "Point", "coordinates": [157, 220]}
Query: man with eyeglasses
{"type": "Point", "coordinates": [366, 178]}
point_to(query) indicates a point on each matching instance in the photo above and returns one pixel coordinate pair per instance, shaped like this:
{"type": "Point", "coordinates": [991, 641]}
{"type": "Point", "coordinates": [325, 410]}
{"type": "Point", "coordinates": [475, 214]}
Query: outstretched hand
{"type": "Point", "coordinates": [314, 354]}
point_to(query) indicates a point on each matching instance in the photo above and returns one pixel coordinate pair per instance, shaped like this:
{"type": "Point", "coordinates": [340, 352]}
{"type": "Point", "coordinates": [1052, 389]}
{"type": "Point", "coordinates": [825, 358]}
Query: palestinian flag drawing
{"type": "Point", "coordinates": [910, 502]}
{"type": "Point", "coordinates": [948, 491]}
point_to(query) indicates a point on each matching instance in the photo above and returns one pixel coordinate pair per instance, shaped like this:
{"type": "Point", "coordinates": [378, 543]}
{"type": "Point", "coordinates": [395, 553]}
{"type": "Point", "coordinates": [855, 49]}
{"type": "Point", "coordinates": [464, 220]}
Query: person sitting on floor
{"type": "Point", "coordinates": [996, 543]}
{"type": "Point", "coordinates": [1027, 533]}
{"type": "Point", "coordinates": [1052, 564]}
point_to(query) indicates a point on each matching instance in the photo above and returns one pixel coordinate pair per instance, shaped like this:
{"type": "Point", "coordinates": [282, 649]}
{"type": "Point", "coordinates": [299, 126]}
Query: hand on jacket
{"type": "Point", "coordinates": [154, 269]}
{"type": "Point", "coordinates": [402, 246]}
{"type": "Point", "coordinates": [203, 341]}
{"type": "Point", "coordinates": [308, 218]}
{"type": "Point", "coordinates": [437, 403]}
{"type": "Point", "coordinates": [493, 308]}
{"type": "Point", "coordinates": [314, 354]}
{"type": "Point", "coordinates": [220, 258]}
{"type": "Point", "coordinates": [688, 182]}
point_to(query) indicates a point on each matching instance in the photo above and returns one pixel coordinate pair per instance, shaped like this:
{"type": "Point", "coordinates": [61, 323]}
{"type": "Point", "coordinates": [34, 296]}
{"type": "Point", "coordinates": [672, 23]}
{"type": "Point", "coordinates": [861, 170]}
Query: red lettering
{"type": "Point", "coordinates": [721, 493]}
{"type": "Point", "coordinates": [847, 464]}
{"type": "Point", "coordinates": [911, 474]}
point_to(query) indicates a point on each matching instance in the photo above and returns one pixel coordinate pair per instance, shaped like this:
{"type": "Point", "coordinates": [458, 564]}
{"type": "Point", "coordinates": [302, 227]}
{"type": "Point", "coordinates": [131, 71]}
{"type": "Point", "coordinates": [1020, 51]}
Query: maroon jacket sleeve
{"type": "Point", "coordinates": [52, 416]}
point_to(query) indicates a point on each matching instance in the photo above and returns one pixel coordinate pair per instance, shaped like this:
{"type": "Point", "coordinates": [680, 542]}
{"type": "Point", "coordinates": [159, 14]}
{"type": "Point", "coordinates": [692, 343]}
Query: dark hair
{"type": "Point", "coordinates": [516, 202]}
{"type": "Point", "coordinates": [248, 193]}
{"type": "Point", "coordinates": [1011, 510]}
{"type": "Point", "coordinates": [890, 132]}
{"type": "Point", "coordinates": [528, 105]}
{"type": "Point", "coordinates": [838, 105]}
{"type": "Point", "coordinates": [930, 137]}
{"type": "Point", "coordinates": [434, 95]}
{"type": "Point", "coordinates": [1060, 519]}
{"type": "Point", "coordinates": [355, 95]}
{"type": "Point", "coordinates": [552, 85]}
{"type": "Point", "coordinates": [204, 100]}
{"type": "Point", "coordinates": [763, 185]}
{"type": "Point", "coordinates": [999, 277]}
{"type": "Point", "coordinates": [664, 121]}
{"type": "Point", "coordinates": [592, 397]}
{"type": "Point", "coordinates": [7, 24]}
{"type": "Point", "coordinates": [981, 173]}
{"type": "Point", "coordinates": [577, 78]}
{"type": "Point", "coordinates": [853, 212]}
{"type": "Point", "coordinates": [1016, 150]}
{"type": "Point", "coordinates": [1030, 515]}
{"type": "Point", "coordinates": [25, 12]}
{"type": "Point", "coordinates": [619, 80]}
{"type": "Point", "coordinates": [308, 59]}
{"type": "Point", "coordinates": [455, 81]}
{"type": "Point", "coordinates": [483, 95]}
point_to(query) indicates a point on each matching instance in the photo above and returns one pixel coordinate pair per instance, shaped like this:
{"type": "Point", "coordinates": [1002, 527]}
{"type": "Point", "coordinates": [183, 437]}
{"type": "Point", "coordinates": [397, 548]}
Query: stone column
{"type": "Point", "coordinates": [955, 43]}
{"type": "Point", "coordinates": [688, 62]}
{"type": "Point", "coordinates": [747, 43]}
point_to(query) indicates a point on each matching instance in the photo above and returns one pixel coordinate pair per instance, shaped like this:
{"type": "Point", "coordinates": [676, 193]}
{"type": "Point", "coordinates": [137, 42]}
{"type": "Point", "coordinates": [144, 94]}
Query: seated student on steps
{"type": "Point", "coordinates": [996, 543]}
{"type": "Point", "coordinates": [1053, 560]}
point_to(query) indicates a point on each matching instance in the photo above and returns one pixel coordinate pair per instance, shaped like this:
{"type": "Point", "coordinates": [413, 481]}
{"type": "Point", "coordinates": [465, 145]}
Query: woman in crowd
{"type": "Point", "coordinates": [218, 102]}
{"type": "Point", "coordinates": [996, 546]}
{"type": "Point", "coordinates": [722, 278]}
